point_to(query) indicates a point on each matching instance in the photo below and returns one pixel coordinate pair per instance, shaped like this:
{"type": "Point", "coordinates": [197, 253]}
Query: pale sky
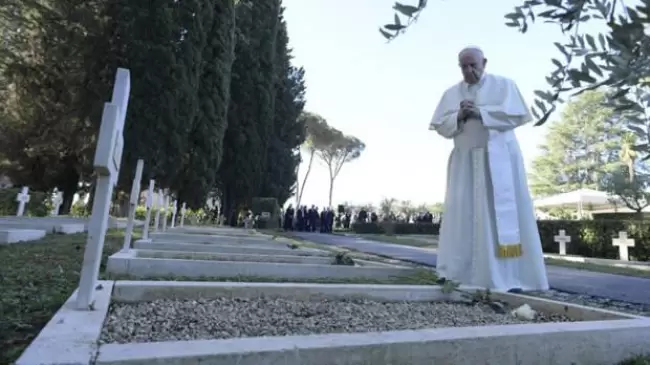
{"type": "Point", "coordinates": [385, 94]}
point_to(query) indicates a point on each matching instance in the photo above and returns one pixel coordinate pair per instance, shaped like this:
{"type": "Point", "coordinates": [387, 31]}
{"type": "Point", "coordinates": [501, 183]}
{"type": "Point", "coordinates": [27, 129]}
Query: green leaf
{"type": "Point", "coordinates": [540, 105]}
{"type": "Point", "coordinates": [397, 20]}
{"type": "Point", "coordinates": [513, 16]}
{"type": "Point", "coordinates": [395, 27]}
{"type": "Point", "coordinates": [512, 24]}
{"type": "Point", "coordinates": [638, 130]}
{"type": "Point", "coordinates": [591, 65]}
{"type": "Point", "coordinates": [602, 41]}
{"type": "Point", "coordinates": [591, 41]}
{"type": "Point", "coordinates": [562, 49]}
{"type": "Point", "coordinates": [386, 35]}
{"type": "Point", "coordinates": [407, 10]}
{"type": "Point", "coordinates": [557, 63]}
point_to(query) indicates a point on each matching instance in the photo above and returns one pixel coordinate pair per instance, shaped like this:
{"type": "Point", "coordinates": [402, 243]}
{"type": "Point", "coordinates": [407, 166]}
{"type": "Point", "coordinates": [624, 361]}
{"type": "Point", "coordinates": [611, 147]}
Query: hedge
{"type": "Point", "coordinates": [589, 238]}
{"type": "Point", "coordinates": [38, 205]}
{"type": "Point", "coordinates": [396, 228]}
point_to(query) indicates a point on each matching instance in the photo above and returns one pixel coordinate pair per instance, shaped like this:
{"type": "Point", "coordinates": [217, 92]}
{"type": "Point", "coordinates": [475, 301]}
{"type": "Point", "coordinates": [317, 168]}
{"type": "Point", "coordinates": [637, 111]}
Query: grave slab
{"type": "Point", "coordinates": [602, 338]}
{"type": "Point", "coordinates": [70, 337]}
{"type": "Point", "coordinates": [50, 227]}
{"type": "Point", "coordinates": [200, 247]}
{"type": "Point", "coordinates": [127, 263]}
{"type": "Point", "coordinates": [216, 230]}
{"type": "Point", "coordinates": [8, 235]}
{"type": "Point", "coordinates": [204, 238]}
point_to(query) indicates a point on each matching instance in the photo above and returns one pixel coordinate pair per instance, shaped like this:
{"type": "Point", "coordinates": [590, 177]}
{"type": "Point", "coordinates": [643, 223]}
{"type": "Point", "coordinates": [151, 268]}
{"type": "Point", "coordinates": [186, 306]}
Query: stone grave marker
{"type": "Point", "coordinates": [183, 211]}
{"type": "Point", "coordinates": [174, 207]}
{"type": "Point", "coordinates": [22, 198]}
{"type": "Point", "coordinates": [159, 206]}
{"type": "Point", "coordinates": [149, 203]}
{"type": "Point", "coordinates": [165, 212]}
{"type": "Point", "coordinates": [134, 198]}
{"type": "Point", "coordinates": [562, 239]}
{"type": "Point", "coordinates": [57, 200]}
{"type": "Point", "coordinates": [622, 242]}
{"type": "Point", "coordinates": [108, 157]}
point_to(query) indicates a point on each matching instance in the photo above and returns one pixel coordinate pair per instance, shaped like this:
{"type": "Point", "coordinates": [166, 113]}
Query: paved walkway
{"type": "Point", "coordinates": [617, 287]}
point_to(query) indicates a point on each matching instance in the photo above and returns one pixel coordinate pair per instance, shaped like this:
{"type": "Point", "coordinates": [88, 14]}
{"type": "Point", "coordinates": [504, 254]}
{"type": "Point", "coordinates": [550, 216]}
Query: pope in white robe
{"type": "Point", "coordinates": [489, 236]}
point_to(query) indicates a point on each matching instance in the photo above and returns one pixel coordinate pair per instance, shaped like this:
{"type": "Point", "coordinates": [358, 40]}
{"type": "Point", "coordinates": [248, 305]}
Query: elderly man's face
{"type": "Point", "coordinates": [472, 64]}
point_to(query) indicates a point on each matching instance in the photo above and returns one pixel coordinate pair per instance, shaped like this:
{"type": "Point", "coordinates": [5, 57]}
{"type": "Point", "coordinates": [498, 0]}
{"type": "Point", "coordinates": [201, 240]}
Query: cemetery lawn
{"type": "Point", "coordinates": [36, 278]}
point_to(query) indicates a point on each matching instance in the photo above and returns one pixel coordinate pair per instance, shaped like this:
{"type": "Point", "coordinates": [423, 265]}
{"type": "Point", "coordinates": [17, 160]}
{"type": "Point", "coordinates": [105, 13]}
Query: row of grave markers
{"type": "Point", "coordinates": [57, 200]}
{"type": "Point", "coordinates": [150, 204]}
{"type": "Point", "coordinates": [622, 242]}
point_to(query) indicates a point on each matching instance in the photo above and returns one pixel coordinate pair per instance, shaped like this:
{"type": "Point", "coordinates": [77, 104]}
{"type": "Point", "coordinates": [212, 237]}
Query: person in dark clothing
{"type": "Point", "coordinates": [323, 221]}
{"type": "Point", "coordinates": [313, 218]}
{"type": "Point", "coordinates": [330, 220]}
{"type": "Point", "coordinates": [300, 220]}
{"type": "Point", "coordinates": [288, 218]}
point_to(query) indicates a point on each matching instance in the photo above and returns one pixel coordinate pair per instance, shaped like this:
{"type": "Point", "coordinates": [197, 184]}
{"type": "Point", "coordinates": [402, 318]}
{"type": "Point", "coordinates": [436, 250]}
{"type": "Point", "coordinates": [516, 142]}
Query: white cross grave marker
{"type": "Point", "coordinates": [22, 198]}
{"type": "Point", "coordinates": [57, 200]}
{"type": "Point", "coordinates": [149, 203]}
{"type": "Point", "coordinates": [622, 242]}
{"type": "Point", "coordinates": [174, 207]}
{"type": "Point", "coordinates": [183, 210]}
{"type": "Point", "coordinates": [562, 239]}
{"type": "Point", "coordinates": [134, 198]}
{"type": "Point", "coordinates": [165, 212]}
{"type": "Point", "coordinates": [108, 157]}
{"type": "Point", "coordinates": [159, 206]}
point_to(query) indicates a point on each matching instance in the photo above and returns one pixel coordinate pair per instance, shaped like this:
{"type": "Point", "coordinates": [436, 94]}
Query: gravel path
{"type": "Point", "coordinates": [172, 320]}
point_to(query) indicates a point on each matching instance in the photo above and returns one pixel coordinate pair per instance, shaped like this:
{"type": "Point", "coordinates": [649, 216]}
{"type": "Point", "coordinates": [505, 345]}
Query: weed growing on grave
{"type": "Point", "coordinates": [36, 279]}
{"type": "Point", "coordinates": [342, 258]}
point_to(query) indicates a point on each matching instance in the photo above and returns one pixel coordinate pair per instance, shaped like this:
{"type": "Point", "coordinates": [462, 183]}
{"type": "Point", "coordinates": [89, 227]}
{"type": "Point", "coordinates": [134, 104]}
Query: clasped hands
{"type": "Point", "coordinates": [468, 110]}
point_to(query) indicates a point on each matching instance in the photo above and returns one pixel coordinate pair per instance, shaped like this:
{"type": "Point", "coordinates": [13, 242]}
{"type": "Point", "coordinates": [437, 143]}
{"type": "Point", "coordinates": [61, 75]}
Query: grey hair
{"type": "Point", "coordinates": [472, 49]}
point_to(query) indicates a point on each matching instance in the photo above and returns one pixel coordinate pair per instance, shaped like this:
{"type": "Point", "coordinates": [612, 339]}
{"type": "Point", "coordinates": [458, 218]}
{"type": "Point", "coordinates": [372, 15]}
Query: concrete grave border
{"type": "Point", "coordinates": [608, 337]}
{"type": "Point", "coordinates": [128, 263]}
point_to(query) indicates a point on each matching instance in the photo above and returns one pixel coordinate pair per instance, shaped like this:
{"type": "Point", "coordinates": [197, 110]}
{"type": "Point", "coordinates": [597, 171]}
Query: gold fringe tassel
{"type": "Point", "coordinates": [509, 250]}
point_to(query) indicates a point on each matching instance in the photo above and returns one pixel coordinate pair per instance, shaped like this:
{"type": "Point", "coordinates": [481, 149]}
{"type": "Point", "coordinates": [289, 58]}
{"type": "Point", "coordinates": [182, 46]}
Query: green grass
{"type": "Point", "coordinates": [36, 278]}
{"type": "Point", "coordinates": [599, 268]}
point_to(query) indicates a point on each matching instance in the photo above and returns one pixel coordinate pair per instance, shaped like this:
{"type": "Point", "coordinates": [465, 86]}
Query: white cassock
{"type": "Point", "coordinates": [489, 236]}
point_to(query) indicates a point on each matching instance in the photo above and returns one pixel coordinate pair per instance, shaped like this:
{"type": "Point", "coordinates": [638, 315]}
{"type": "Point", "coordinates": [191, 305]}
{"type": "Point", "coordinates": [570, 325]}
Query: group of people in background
{"type": "Point", "coordinates": [311, 219]}
{"type": "Point", "coordinates": [304, 219]}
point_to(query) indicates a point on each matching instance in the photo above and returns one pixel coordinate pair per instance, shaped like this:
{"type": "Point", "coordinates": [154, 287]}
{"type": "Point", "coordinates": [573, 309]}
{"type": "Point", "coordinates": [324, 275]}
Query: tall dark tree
{"type": "Point", "coordinates": [251, 112]}
{"type": "Point", "coordinates": [46, 134]}
{"type": "Point", "coordinates": [145, 38]}
{"type": "Point", "coordinates": [209, 125]}
{"type": "Point", "coordinates": [283, 154]}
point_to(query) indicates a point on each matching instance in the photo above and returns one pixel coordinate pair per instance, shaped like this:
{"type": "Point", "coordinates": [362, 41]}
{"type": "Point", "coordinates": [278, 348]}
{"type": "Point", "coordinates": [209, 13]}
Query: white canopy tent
{"type": "Point", "coordinates": [582, 199]}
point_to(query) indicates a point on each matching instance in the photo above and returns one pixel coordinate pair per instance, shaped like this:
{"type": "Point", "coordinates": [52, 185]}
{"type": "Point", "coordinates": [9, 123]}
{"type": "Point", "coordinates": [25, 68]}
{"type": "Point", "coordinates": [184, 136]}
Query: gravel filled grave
{"type": "Point", "coordinates": [221, 318]}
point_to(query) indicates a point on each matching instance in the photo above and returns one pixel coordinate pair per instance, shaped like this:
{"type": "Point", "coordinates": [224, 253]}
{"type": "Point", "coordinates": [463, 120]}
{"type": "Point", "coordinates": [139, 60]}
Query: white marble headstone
{"type": "Point", "coordinates": [22, 198]}
{"type": "Point", "coordinates": [562, 239]}
{"type": "Point", "coordinates": [623, 243]}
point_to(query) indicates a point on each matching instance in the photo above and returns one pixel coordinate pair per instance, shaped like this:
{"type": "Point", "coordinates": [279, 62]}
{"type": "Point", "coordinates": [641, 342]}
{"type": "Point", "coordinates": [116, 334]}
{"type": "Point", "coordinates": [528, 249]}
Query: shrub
{"type": "Point", "coordinates": [38, 205]}
{"type": "Point", "coordinates": [593, 238]}
{"type": "Point", "coordinates": [396, 228]}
